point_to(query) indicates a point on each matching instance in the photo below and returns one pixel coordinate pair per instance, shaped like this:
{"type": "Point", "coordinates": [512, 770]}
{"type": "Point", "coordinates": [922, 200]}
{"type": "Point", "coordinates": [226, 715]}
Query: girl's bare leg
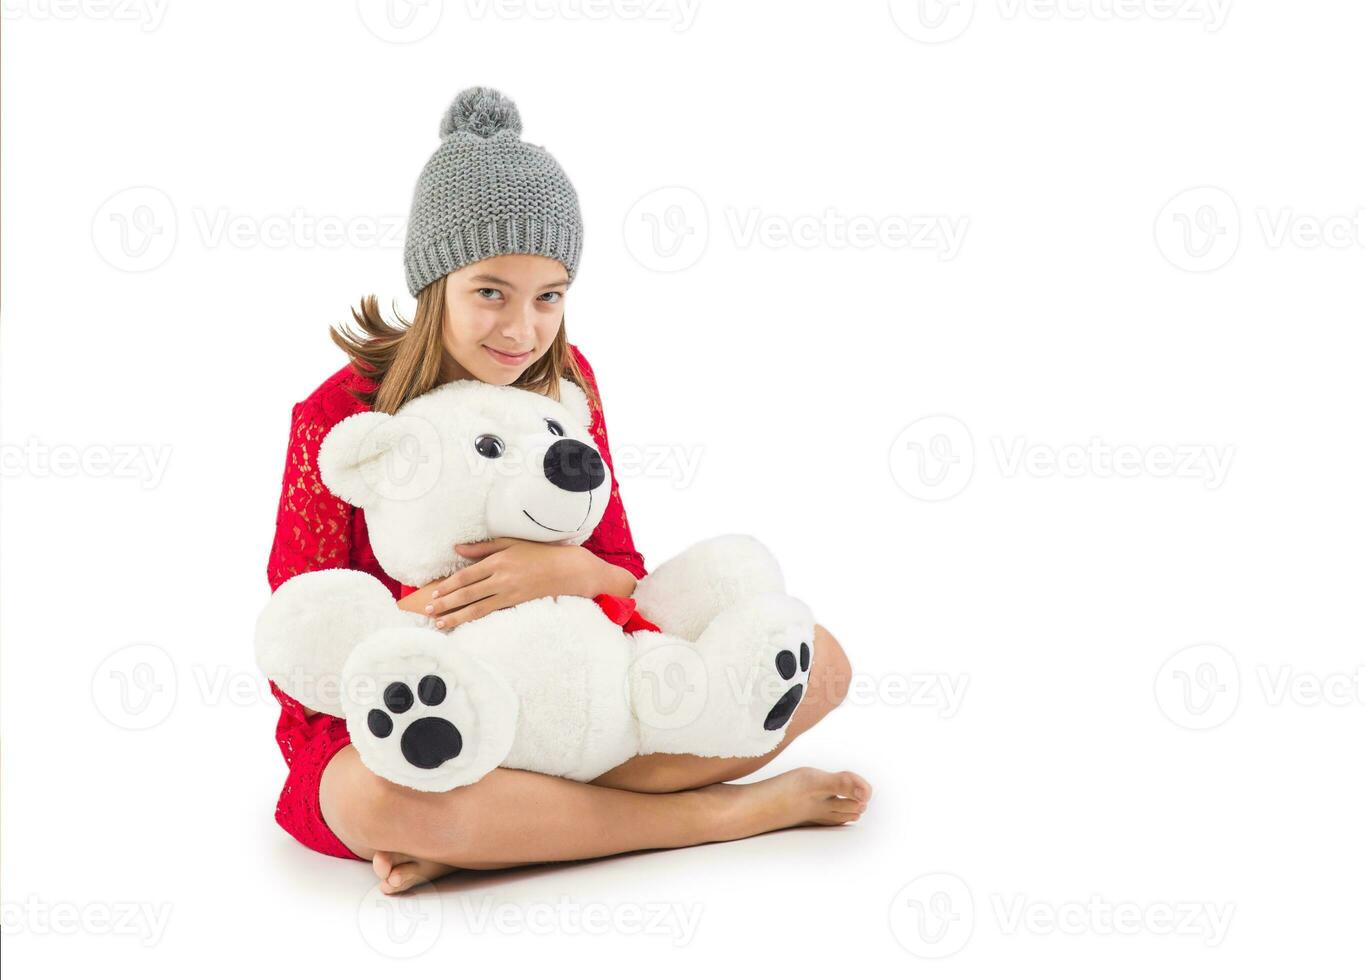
{"type": "Point", "coordinates": [663, 772]}
{"type": "Point", "coordinates": [660, 773]}
{"type": "Point", "coordinates": [512, 817]}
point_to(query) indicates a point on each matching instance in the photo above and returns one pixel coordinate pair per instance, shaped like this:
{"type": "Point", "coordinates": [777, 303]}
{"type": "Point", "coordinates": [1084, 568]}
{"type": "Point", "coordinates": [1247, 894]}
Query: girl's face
{"type": "Point", "coordinates": [501, 316]}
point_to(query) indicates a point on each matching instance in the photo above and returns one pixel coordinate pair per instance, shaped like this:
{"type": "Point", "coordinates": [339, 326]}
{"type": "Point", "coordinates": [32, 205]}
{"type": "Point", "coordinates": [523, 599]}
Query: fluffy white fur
{"type": "Point", "coordinates": [550, 685]}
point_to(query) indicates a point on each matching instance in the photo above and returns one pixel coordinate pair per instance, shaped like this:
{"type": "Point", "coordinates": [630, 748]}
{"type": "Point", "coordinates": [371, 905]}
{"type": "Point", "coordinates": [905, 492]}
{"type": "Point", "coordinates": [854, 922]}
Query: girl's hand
{"type": "Point", "coordinates": [507, 571]}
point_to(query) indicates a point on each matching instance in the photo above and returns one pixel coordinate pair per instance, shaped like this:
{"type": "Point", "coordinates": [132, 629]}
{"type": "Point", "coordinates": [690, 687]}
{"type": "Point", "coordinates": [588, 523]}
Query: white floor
{"type": "Point", "coordinates": [981, 854]}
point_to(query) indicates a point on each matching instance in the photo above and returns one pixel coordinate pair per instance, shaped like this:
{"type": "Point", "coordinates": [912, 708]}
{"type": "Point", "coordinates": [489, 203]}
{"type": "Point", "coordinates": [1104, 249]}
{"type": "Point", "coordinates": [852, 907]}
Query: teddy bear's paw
{"type": "Point", "coordinates": [311, 624]}
{"type": "Point", "coordinates": [423, 715]}
{"type": "Point", "coordinates": [789, 664]}
{"type": "Point", "coordinates": [743, 680]}
{"type": "Point", "coordinates": [762, 648]}
{"type": "Point", "coordinates": [429, 741]}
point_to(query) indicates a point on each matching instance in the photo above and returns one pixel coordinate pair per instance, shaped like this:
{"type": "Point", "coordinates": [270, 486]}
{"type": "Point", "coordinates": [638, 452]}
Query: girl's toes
{"type": "Point", "coordinates": [413, 872]}
{"type": "Point", "coordinates": [853, 787]}
{"type": "Point", "coordinates": [847, 809]}
{"type": "Point", "coordinates": [384, 862]}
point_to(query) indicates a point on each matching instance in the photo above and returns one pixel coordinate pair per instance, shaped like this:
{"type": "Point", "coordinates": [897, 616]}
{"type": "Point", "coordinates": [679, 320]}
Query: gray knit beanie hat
{"type": "Point", "coordinates": [484, 192]}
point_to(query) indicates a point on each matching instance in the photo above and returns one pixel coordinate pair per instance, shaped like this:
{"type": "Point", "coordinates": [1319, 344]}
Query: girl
{"type": "Point", "coordinates": [493, 242]}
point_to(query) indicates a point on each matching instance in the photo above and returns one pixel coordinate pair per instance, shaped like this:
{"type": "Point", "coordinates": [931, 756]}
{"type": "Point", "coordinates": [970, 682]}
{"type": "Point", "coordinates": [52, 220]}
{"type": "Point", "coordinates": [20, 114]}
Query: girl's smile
{"type": "Point", "coordinates": [514, 360]}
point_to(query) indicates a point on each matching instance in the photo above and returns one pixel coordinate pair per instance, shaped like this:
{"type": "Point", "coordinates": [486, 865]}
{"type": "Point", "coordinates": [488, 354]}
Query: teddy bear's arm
{"type": "Point", "coordinates": [313, 622]}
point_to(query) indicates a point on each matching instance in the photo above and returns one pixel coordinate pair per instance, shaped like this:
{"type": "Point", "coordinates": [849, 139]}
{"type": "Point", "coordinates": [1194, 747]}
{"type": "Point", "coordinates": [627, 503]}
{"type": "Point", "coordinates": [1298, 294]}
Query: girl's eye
{"type": "Point", "coordinates": [488, 292]}
{"type": "Point", "coordinates": [555, 293]}
{"type": "Point", "coordinates": [490, 446]}
{"type": "Point", "coordinates": [555, 427]}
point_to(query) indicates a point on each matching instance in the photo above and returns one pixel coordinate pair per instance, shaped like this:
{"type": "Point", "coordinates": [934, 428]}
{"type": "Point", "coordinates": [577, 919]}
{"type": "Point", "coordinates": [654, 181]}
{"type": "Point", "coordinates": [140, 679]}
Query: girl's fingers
{"type": "Point", "coordinates": [461, 597]}
{"type": "Point", "coordinates": [476, 572]}
{"type": "Point", "coordinates": [481, 608]}
{"type": "Point", "coordinates": [482, 549]}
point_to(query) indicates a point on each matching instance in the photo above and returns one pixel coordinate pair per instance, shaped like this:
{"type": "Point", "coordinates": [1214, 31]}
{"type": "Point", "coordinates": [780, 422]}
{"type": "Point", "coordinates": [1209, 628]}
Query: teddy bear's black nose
{"type": "Point", "coordinates": [573, 465]}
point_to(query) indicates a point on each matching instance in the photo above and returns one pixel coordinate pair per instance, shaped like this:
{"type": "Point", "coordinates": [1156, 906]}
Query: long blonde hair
{"type": "Point", "coordinates": [405, 360]}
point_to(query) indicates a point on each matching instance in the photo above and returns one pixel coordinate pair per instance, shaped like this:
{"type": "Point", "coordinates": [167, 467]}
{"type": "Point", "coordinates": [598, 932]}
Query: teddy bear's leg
{"type": "Point", "coordinates": [313, 622]}
{"type": "Point", "coordinates": [731, 693]}
{"type": "Point", "coordinates": [423, 713]}
{"type": "Point", "coordinates": [684, 594]}
{"type": "Point", "coordinates": [567, 662]}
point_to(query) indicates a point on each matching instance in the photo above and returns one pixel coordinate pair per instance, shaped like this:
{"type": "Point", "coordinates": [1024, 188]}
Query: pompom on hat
{"type": "Point", "coordinates": [484, 193]}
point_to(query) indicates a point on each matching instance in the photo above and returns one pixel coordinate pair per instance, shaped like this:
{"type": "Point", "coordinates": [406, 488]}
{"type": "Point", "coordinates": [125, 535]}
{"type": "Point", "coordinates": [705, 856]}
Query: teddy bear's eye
{"type": "Point", "coordinates": [555, 427]}
{"type": "Point", "coordinates": [489, 445]}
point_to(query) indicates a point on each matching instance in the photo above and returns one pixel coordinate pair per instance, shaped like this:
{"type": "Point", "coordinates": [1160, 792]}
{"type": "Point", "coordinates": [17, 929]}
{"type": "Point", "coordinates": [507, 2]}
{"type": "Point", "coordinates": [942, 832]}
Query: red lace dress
{"type": "Point", "coordinates": [314, 530]}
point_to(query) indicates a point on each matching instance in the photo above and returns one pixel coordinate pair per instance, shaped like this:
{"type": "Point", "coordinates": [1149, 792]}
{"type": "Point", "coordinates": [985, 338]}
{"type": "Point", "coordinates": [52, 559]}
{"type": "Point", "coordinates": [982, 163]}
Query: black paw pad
{"type": "Point", "coordinates": [398, 698]}
{"type": "Point", "coordinates": [782, 711]}
{"type": "Point", "coordinates": [427, 742]}
{"type": "Point", "coordinates": [786, 663]}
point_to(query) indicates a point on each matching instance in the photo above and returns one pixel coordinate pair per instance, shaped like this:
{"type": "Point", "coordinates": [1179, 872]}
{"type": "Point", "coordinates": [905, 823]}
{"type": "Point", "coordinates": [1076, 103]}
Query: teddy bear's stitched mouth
{"type": "Point", "coordinates": [557, 530]}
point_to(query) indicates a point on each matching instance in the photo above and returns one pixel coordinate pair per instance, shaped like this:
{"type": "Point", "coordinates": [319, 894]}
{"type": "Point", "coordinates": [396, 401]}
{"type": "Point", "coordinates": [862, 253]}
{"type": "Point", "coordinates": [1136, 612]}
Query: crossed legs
{"type": "Point", "coordinates": [512, 817]}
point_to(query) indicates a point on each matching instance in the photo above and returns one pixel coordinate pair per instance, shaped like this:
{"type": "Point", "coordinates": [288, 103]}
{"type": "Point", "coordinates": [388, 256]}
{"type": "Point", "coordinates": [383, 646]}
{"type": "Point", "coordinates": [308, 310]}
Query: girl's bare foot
{"type": "Point", "coordinates": [725, 811]}
{"type": "Point", "coordinates": [793, 799]}
{"type": "Point", "coordinates": [399, 872]}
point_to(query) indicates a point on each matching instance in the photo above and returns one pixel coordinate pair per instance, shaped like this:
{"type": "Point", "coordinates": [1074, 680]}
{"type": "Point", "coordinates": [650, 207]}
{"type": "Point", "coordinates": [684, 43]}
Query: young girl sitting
{"type": "Point", "coordinates": [493, 242]}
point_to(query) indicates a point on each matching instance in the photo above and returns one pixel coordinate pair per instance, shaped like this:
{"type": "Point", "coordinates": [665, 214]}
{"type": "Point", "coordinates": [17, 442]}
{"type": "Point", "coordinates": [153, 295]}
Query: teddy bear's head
{"type": "Point", "coordinates": [466, 462]}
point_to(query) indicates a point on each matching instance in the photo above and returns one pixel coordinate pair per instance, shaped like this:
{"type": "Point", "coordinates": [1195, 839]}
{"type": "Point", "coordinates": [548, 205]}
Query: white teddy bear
{"type": "Point", "coordinates": [552, 685]}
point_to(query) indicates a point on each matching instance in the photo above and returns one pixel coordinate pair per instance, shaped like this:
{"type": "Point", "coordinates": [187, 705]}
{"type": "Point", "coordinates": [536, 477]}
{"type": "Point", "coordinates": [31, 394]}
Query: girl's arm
{"type": "Point", "coordinates": [312, 526]}
{"type": "Point", "coordinates": [611, 541]}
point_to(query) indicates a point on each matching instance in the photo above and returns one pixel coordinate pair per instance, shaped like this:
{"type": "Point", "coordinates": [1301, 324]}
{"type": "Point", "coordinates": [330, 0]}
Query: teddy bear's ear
{"type": "Point", "coordinates": [372, 456]}
{"type": "Point", "coordinates": [571, 397]}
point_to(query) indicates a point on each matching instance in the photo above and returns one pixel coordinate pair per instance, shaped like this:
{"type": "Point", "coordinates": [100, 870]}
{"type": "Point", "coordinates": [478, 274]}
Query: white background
{"type": "Point", "coordinates": [1092, 308]}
